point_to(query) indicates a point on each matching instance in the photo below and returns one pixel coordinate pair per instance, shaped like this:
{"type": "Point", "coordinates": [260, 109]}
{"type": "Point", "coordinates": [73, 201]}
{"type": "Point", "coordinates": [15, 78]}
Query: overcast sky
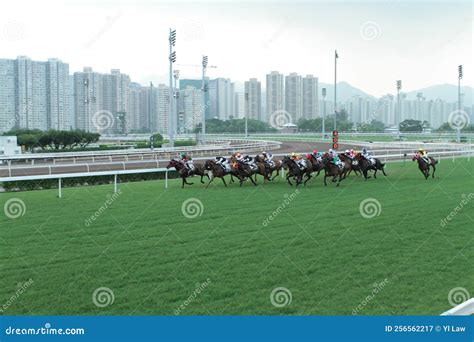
{"type": "Point", "coordinates": [421, 43]}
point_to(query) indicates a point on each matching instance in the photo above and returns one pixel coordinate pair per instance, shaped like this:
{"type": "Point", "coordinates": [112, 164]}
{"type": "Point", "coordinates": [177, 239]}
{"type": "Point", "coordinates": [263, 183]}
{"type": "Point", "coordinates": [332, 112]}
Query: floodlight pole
{"type": "Point", "coordinates": [204, 105]}
{"type": "Point", "coordinates": [324, 111]}
{"type": "Point", "coordinates": [399, 86]}
{"type": "Point", "coordinates": [172, 59]}
{"type": "Point", "coordinates": [458, 131]}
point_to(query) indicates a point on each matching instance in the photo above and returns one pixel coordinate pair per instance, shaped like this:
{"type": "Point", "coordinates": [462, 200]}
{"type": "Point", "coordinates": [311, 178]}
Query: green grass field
{"type": "Point", "coordinates": [318, 246]}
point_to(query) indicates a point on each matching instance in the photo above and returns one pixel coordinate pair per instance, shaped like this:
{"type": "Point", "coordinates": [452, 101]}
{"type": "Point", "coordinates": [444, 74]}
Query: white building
{"type": "Point", "coordinates": [239, 105]}
{"type": "Point", "coordinates": [33, 94]}
{"type": "Point", "coordinates": [275, 93]}
{"type": "Point", "coordinates": [294, 96]}
{"type": "Point", "coordinates": [221, 98]}
{"type": "Point", "coordinates": [310, 97]}
{"type": "Point", "coordinates": [8, 146]}
{"type": "Point", "coordinates": [253, 99]}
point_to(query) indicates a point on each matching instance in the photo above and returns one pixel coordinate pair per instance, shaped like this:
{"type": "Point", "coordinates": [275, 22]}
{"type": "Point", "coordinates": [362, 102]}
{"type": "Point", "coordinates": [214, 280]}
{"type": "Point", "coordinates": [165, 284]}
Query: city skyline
{"type": "Point", "coordinates": [378, 43]}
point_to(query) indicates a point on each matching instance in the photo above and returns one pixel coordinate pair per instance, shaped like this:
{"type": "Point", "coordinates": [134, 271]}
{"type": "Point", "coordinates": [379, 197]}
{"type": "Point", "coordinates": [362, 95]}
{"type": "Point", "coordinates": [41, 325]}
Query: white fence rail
{"type": "Point", "coordinates": [463, 309]}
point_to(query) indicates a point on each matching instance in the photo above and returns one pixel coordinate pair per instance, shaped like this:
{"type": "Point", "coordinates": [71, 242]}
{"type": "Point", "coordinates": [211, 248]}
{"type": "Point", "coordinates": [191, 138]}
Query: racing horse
{"type": "Point", "coordinates": [424, 166]}
{"type": "Point", "coordinates": [365, 166]}
{"type": "Point", "coordinates": [332, 170]}
{"type": "Point", "coordinates": [293, 170]}
{"type": "Point", "coordinates": [217, 170]}
{"type": "Point", "coordinates": [275, 166]}
{"type": "Point", "coordinates": [184, 172]}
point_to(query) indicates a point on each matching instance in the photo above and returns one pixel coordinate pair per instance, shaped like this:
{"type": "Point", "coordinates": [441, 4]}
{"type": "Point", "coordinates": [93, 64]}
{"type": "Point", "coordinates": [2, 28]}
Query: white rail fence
{"type": "Point", "coordinates": [463, 309]}
{"type": "Point", "coordinates": [115, 173]}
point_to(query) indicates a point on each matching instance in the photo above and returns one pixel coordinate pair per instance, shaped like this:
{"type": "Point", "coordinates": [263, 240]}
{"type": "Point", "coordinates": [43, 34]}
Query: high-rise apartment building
{"type": "Point", "coordinates": [253, 99]}
{"type": "Point", "coordinates": [275, 93]}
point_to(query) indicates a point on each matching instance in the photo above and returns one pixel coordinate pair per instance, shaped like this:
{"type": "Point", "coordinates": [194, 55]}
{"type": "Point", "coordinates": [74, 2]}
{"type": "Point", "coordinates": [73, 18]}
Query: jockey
{"type": "Point", "coordinates": [335, 158]}
{"type": "Point", "coordinates": [424, 155]}
{"type": "Point", "coordinates": [224, 162]}
{"type": "Point", "coordinates": [298, 160]}
{"type": "Point", "coordinates": [367, 155]}
{"type": "Point", "coordinates": [317, 155]}
{"type": "Point", "coordinates": [187, 161]}
{"type": "Point", "coordinates": [268, 158]}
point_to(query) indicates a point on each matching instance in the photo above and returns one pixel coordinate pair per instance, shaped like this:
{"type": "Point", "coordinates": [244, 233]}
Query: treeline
{"type": "Point", "coordinates": [316, 125]}
{"type": "Point", "coordinates": [235, 126]}
{"type": "Point", "coordinates": [53, 139]}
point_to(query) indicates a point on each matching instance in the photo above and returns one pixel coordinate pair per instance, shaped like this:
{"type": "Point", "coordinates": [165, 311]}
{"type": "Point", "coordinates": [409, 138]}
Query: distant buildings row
{"type": "Point", "coordinates": [43, 95]}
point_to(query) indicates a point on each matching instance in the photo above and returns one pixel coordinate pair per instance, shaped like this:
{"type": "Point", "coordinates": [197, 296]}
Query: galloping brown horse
{"type": "Point", "coordinates": [332, 170]}
{"type": "Point", "coordinates": [216, 170]}
{"type": "Point", "coordinates": [366, 166]}
{"type": "Point", "coordinates": [242, 170]}
{"type": "Point", "coordinates": [277, 165]}
{"type": "Point", "coordinates": [294, 171]}
{"type": "Point", "coordinates": [424, 166]}
{"type": "Point", "coordinates": [184, 172]}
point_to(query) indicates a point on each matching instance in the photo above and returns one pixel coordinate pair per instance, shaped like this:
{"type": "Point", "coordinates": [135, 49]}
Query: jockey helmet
{"type": "Point", "coordinates": [364, 150]}
{"type": "Point", "coordinates": [315, 151]}
{"type": "Point", "coordinates": [347, 151]}
{"type": "Point", "coordinates": [264, 153]}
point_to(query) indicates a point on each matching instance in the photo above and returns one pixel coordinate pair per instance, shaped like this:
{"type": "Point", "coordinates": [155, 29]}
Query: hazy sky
{"type": "Point", "coordinates": [421, 42]}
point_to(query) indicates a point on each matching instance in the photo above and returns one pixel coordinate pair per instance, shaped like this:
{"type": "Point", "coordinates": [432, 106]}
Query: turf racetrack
{"type": "Point", "coordinates": [229, 259]}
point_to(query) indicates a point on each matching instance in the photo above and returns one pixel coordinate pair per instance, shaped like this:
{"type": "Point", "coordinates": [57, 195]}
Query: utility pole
{"type": "Point", "coordinates": [172, 59]}
{"type": "Point", "coordinates": [458, 133]}
{"type": "Point", "coordinates": [399, 86]}
{"type": "Point", "coordinates": [324, 111]}
{"type": "Point", "coordinates": [204, 104]}
{"type": "Point", "coordinates": [176, 96]}
{"type": "Point", "coordinates": [336, 56]}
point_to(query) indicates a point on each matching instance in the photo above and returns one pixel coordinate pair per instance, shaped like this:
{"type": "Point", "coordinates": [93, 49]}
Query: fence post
{"type": "Point", "coordinates": [166, 179]}
{"type": "Point", "coordinates": [115, 183]}
{"type": "Point", "coordinates": [60, 193]}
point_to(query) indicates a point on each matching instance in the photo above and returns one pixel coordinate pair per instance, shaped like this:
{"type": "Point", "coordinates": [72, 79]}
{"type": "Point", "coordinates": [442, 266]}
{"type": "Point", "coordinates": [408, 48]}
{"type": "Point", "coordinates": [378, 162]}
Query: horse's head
{"type": "Point", "coordinates": [172, 163]}
{"type": "Point", "coordinates": [416, 156]}
{"type": "Point", "coordinates": [209, 164]}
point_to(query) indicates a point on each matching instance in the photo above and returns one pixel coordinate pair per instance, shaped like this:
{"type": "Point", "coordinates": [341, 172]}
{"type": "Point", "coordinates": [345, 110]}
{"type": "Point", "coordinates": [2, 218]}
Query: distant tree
{"type": "Point", "coordinates": [374, 126]}
{"type": "Point", "coordinates": [411, 125]}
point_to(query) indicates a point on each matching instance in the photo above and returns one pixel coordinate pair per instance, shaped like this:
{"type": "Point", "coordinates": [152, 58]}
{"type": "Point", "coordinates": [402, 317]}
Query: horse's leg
{"type": "Point", "coordinates": [288, 179]}
{"type": "Point", "coordinates": [223, 180]}
{"type": "Point", "coordinates": [375, 173]}
{"type": "Point", "coordinates": [434, 170]}
{"type": "Point", "coordinates": [253, 180]}
{"type": "Point", "coordinates": [210, 181]}
{"type": "Point", "coordinates": [340, 179]}
{"type": "Point", "coordinates": [325, 182]}
{"type": "Point", "coordinates": [201, 179]}
{"type": "Point", "coordinates": [182, 186]}
{"type": "Point", "coordinates": [277, 174]}
{"type": "Point", "coordinates": [308, 177]}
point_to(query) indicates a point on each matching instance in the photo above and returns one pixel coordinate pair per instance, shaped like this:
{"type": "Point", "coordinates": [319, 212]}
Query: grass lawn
{"type": "Point", "coordinates": [229, 259]}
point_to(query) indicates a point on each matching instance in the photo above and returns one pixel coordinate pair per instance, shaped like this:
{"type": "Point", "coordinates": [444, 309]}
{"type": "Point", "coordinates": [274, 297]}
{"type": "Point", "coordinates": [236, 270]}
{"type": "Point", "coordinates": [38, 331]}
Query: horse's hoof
{"type": "Point", "coordinates": [337, 184]}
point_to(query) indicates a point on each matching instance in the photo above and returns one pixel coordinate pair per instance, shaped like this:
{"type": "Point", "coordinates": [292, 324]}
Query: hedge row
{"type": "Point", "coordinates": [28, 185]}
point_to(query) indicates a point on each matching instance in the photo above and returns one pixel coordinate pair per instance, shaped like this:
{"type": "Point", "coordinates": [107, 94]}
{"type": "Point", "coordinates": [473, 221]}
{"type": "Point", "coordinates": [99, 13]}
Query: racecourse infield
{"type": "Point", "coordinates": [376, 247]}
